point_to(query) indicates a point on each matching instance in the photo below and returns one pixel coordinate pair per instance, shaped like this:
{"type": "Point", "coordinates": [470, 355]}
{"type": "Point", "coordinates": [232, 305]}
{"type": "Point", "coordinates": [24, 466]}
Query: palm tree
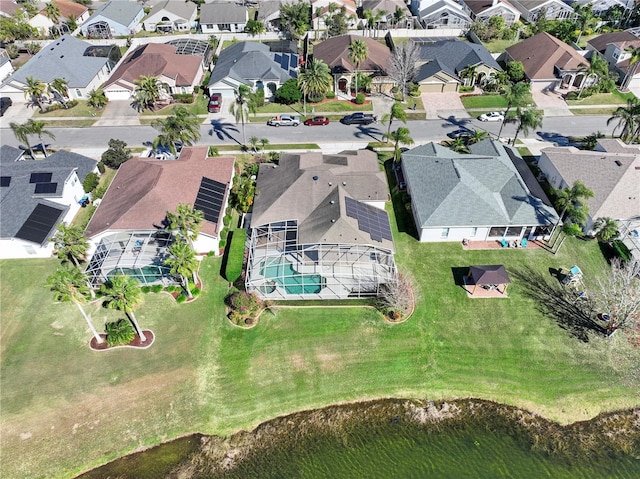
{"type": "Point", "coordinates": [52, 12]}
{"type": "Point", "coordinates": [571, 202]}
{"type": "Point", "coordinates": [21, 132]}
{"type": "Point", "coordinates": [526, 119]}
{"type": "Point", "coordinates": [634, 61]}
{"type": "Point", "coordinates": [241, 106]}
{"type": "Point", "coordinates": [606, 229]}
{"type": "Point", "coordinates": [263, 143]}
{"type": "Point", "coordinates": [517, 95]}
{"type": "Point", "coordinates": [70, 243]}
{"type": "Point", "coordinates": [186, 220]}
{"type": "Point", "coordinates": [59, 86]}
{"type": "Point", "coordinates": [119, 332]}
{"type": "Point", "coordinates": [147, 91]}
{"type": "Point", "coordinates": [459, 145]}
{"type": "Point", "coordinates": [401, 135]}
{"type": "Point", "coordinates": [181, 127]}
{"type": "Point", "coordinates": [397, 113]}
{"type": "Point", "coordinates": [183, 263]}
{"type": "Point", "coordinates": [123, 293]}
{"type": "Point", "coordinates": [35, 89]}
{"type": "Point", "coordinates": [628, 120]}
{"type": "Point", "coordinates": [315, 79]}
{"type": "Point", "coordinates": [253, 141]}
{"type": "Point", "coordinates": [469, 72]}
{"type": "Point", "coordinates": [97, 99]}
{"type": "Point", "coordinates": [590, 142]}
{"type": "Point", "coordinates": [36, 127]}
{"type": "Point", "coordinates": [70, 285]}
{"type": "Point", "coordinates": [477, 136]}
{"type": "Point", "coordinates": [255, 27]}
{"type": "Point", "coordinates": [358, 52]}
{"type": "Point", "coordinates": [398, 15]}
{"type": "Point", "coordinates": [585, 18]}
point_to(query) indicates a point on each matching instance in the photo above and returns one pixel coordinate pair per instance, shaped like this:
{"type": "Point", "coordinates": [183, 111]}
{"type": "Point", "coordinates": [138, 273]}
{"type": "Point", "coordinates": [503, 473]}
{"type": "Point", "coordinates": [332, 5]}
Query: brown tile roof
{"type": "Point", "coordinates": [9, 7]}
{"type": "Point", "coordinates": [157, 59]}
{"type": "Point", "coordinates": [335, 53]}
{"type": "Point", "coordinates": [624, 39]}
{"type": "Point", "coordinates": [540, 53]}
{"type": "Point", "coordinates": [144, 189]}
{"type": "Point", "coordinates": [69, 8]}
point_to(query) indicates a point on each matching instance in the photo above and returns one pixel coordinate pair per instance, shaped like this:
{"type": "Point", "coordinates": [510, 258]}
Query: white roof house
{"type": "Point", "coordinates": [114, 19]}
{"type": "Point", "coordinates": [170, 16]}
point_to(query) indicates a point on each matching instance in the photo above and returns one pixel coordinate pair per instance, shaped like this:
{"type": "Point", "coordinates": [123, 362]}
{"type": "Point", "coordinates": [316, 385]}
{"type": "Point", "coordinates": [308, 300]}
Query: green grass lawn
{"type": "Point", "coordinates": [614, 98]}
{"type": "Point", "coordinates": [82, 109]}
{"type": "Point", "coordinates": [65, 408]}
{"type": "Point", "coordinates": [83, 216]}
{"type": "Point", "coordinates": [499, 46]}
{"type": "Point", "coordinates": [198, 107]}
{"type": "Point", "coordinates": [328, 106]}
{"type": "Point", "coordinates": [484, 101]}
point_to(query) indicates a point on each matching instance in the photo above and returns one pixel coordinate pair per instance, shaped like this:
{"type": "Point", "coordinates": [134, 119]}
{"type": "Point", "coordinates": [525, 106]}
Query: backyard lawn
{"type": "Point", "coordinates": [65, 408]}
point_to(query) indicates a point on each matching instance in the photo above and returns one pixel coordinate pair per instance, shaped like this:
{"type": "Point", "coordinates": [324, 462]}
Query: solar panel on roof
{"type": "Point", "coordinates": [39, 223]}
{"type": "Point", "coordinates": [42, 188]}
{"type": "Point", "coordinates": [40, 178]}
{"type": "Point", "coordinates": [370, 219]}
{"type": "Point", "coordinates": [210, 198]}
{"type": "Point", "coordinates": [5, 180]}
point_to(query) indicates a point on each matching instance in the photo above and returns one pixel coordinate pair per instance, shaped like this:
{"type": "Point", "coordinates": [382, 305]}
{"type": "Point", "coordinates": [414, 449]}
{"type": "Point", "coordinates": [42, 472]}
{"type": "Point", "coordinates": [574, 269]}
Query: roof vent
{"type": "Point", "coordinates": [344, 183]}
{"type": "Point", "coordinates": [315, 178]}
{"type": "Point", "coordinates": [618, 162]}
{"type": "Point", "coordinates": [333, 221]}
{"type": "Point", "coordinates": [330, 184]}
{"type": "Point", "coordinates": [332, 202]}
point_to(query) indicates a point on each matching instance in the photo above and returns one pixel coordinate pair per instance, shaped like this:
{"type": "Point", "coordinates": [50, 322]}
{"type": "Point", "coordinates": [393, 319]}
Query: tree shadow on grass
{"type": "Point", "coordinates": [399, 200]}
{"type": "Point", "coordinates": [559, 303]}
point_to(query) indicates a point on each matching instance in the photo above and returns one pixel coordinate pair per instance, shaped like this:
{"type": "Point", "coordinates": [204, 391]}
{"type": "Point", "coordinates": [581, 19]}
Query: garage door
{"type": "Point", "coordinates": [431, 88]}
{"type": "Point", "coordinates": [118, 94]}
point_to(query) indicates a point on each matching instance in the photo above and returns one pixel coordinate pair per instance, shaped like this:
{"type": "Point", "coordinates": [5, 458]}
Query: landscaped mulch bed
{"type": "Point", "coordinates": [136, 343]}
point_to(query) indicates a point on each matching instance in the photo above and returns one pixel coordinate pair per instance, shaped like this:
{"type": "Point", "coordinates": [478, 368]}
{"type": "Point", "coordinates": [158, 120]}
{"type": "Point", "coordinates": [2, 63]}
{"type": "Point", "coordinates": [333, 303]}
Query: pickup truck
{"type": "Point", "coordinates": [359, 119]}
{"type": "Point", "coordinates": [284, 120]}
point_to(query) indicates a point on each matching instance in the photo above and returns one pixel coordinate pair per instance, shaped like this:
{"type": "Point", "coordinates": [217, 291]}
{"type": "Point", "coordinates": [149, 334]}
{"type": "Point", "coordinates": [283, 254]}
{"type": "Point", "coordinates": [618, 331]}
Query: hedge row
{"type": "Point", "coordinates": [235, 256]}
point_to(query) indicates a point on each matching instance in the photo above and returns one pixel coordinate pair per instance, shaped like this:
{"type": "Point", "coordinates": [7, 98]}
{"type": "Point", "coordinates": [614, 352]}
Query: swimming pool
{"type": "Point", "coordinates": [283, 274]}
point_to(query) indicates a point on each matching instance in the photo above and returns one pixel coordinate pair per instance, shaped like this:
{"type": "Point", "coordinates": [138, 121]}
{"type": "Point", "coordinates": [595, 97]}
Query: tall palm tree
{"type": "Point", "coordinates": [35, 89]}
{"type": "Point", "coordinates": [315, 79]}
{"type": "Point", "coordinates": [183, 263]}
{"type": "Point", "coordinates": [70, 243]}
{"type": "Point", "coordinates": [253, 141]}
{"type": "Point", "coordinates": [241, 106]}
{"type": "Point", "coordinates": [186, 220]}
{"type": "Point", "coordinates": [399, 136]}
{"type": "Point", "coordinates": [397, 112]}
{"type": "Point", "coordinates": [52, 12]}
{"type": "Point", "coordinates": [585, 18]}
{"type": "Point", "coordinates": [459, 145]}
{"type": "Point", "coordinates": [606, 229]}
{"type": "Point", "coordinates": [263, 143]}
{"type": "Point", "coordinates": [628, 120]}
{"type": "Point", "coordinates": [571, 202]}
{"type": "Point", "coordinates": [398, 14]}
{"type": "Point", "coordinates": [97, 99]}
{"type": "Point", "coordinates": [123, 293]}
{"type": "Point", "coordinates": [358, 52]}
{"type": "Point", "coordinates": [70, 285]}
{"type": "Point", "coordinates": [469, 72]}
{"type": "Point", "coordinates": [147, 91]}
{"type": "Point", "coordinates": [634, 61]}
{"type": "Point", "coordinates": [181, 127]}
{"type": "Point", "coordinates": [36, 127]}
{"type": "Point", "coordinates": [59, 86]}
{"type": "Point", "coordinates": [21, 132]}
{"type": "Point", "coordinates": [526, 120]}
{"type": "Point", "coordinates": [517, 95]}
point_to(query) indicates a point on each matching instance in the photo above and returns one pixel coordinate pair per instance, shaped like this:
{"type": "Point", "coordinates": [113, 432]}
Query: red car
{"type": "Point", "coordinates": [215, 102]}
{"type": "Point", "coordinates": [317, 120]}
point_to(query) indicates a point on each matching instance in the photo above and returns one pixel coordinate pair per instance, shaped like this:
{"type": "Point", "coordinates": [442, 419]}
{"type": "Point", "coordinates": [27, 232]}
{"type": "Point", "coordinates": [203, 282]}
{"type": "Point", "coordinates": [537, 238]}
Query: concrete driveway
{"type": "Point", "coordinates": [443, 105]}
{"type": "Point", "coordinates": [19, 112]}
{"type": "Point", "coordinates": [118, 113]}
{"type": "Point", "coordinates": [551, 102]}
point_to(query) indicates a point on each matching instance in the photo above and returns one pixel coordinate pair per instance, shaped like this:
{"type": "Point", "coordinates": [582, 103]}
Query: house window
{"type": "Point", "coordinates": [474, 231]}
{"type": "Point", "coordinates": [514, 231]}
{"type": "Point", "coordinates": [78, 93]}
{"type": "Point", "coordinates": [444, 233]}
{"type": "Point", "coordinates": [497, 231]}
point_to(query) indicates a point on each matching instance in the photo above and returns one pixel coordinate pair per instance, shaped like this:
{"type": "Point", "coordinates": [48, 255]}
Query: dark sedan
{"type": "Point", "coordinates": [459, 134]}
{"type": "Point", "coordinates": [317, 120]}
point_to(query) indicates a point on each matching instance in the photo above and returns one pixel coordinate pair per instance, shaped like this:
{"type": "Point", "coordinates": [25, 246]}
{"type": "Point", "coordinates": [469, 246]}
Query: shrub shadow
{"type": "Point", "coordinates": [404, 219]}
{"type": "Point", "coordinates": [560, 303]}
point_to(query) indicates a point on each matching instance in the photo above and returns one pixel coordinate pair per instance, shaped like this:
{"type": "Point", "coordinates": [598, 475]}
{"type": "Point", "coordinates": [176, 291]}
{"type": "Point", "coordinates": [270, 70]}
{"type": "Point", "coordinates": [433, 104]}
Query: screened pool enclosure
{"type": "Point", "coordinates": [140, 255]}
{"type": "Point", "coordinates": [281, 269]}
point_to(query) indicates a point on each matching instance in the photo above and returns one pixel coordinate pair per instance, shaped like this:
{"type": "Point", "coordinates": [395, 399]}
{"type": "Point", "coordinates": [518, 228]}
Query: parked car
{"type": "Point", "coordinates": [492, 116]}
{"type": "Point", "coordinates": [462, 133]}
{"type": "Point", "coordinates": [359, 118]}
{"type": "Point", "coordinates": [5, 103]}
{"type": "Point", "coordinates": [317, 120]}
{"type": "Point", "coordinates": [215, 103]}
{"type": "Point", "coordinates": [284, 120]}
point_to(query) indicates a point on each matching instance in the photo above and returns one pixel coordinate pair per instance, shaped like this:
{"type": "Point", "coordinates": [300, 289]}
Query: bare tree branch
{"type": "Point", "coordinates": [402, 66]}
{"type": "Point", "coordinates": [617, 295]}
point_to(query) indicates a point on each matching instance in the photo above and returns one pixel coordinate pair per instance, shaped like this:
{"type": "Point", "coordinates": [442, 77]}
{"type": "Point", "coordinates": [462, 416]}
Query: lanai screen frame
{"type": "Point", "coordinates": [346, 270]}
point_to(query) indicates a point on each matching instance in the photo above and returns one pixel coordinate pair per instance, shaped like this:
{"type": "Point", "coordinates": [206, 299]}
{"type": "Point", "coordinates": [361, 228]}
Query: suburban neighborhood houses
{"type": "Point", "coordinates": [217, 213]}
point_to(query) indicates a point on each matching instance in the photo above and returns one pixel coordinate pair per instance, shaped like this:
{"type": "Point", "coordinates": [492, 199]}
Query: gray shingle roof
{"type": "Point", "coordinates": [63, 58]}
{"type": "Point", "coordinates": [245, 61]}
{"type": "Point", "coordinates": [18, 200]}
{"type": "Point", "coordinates": [222, 12]}
{"type": "Point", "coordinates": [180, 8]}
{"type": "Point", "coordinates": [451, 189]}
{"type": "Point", "coordinates": [120, 12]}
{"type": "Point", "coordinates": [454, 55]}
{"type": "Point", "coordinates": [9, 154]}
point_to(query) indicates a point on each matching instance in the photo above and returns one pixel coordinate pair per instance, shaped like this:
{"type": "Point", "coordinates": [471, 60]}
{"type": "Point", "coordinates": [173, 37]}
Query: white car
{"type": "Point", "coordinates": [492, 116]}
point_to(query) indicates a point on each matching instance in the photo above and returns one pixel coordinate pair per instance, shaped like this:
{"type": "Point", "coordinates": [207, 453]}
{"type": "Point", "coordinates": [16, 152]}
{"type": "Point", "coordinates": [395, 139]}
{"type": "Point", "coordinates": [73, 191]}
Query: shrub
{"type": "Point", "coordinates": [221, 245]}
{"type": "Point", "coordinates": [196, 291]}
{"type": "Point", "coordinates": [156, 288]}
{"type": "Point", "coordinates": [119, 332]}
{"type": "Point", "coordinates": [183, 97]}
{"type": "Point", "coordinates": [330, 94]}
{"type": "Point", "coordinates": [246, 304]}
{"type": "Point", "coordinates": [116, 154]}
{"type": "Point", "coordinates": [181, 299]}
{"type": "Point", "coordinates": [101, 167]}
{"type": "Point", "coordinates": [99, 192]}
{"type": "Point", "coordinates": [622, 250]}
{"type": "Point", "coordinates": [258, 97]}
{"type": "Point", "coordinates": [174, 288]}
{"type": "Point", "coordinates": [90, 182]}
{"type": "Point", "coordinates": [288, 93]}
{"type": "Point", "coordinates": [359, 99]}
{"type": "Point", "coordinates": [235, 256]}
{"type": "Point", "coordinates": [213, 253]}
{"type": "Point", "coordinates": [145, 289]}
{"type": "Point", "coordinates": [316, 98]}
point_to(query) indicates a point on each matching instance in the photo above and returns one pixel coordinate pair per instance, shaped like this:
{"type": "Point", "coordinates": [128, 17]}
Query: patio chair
{"type": "Point", "coordinates": [504, 243]}
{"type": "Point", "coordinates": [524, 243]}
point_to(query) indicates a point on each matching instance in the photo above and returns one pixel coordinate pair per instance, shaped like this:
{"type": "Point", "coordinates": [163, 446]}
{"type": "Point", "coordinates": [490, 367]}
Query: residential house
{"type": "Point", "coordinates": [67, 10]}
{"type": "Point", "coordinates": [128, 232]}
{"type": "Point", "coordinates": [253, 64]}
{"type": "Point", "coordinates": [394, 13]}
{"type": "Point", "coordinates": [335, 53]}
{"type": "Point", "coordinates": [114, 19]}
{"type": "Point", "coordinates": [611, 171]}
{"type": "Point", "coordinates": [484, 10]}
{"type": "Point", "coordinates": [488, 194]}
{"type": "Point", "coordinates": [599, 7]}
{"type": "Point", "coordinates": [441, 14]}
{"type": "Point", "coordinates": [550, 63]}
{"type": "Point", "coordinates": [220, 17]}
{"type": "Point", "coordinates": [321, 9]}
{"type": "Point", "coordinates": [84, 66]}
{"type": "Point", "coordinates": [319, 229]}
{"type": "Point", "coordinates": [171, 16]}
{"type": "Point", "coordinates": [178, 74]}
{"type": "Point", "coordinates": [9, 8]}
{"type": "Point", "coordinates": [6, 68]}
{"type": "Point", "coordinates": [442, 64]}
{"type": "Point", "coordinates": [530, 10]}
{"type": "Point", "coordinates": [35, 197]}
{"type": "Point", "coordinates": [614, 47]}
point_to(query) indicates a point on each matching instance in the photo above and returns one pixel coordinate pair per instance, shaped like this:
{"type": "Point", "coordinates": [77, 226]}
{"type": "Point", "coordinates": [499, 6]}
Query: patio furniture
{"type": "Point", "coordinates": [524, 243]}
{"type": "Point", "coordinates": [504, 243]}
